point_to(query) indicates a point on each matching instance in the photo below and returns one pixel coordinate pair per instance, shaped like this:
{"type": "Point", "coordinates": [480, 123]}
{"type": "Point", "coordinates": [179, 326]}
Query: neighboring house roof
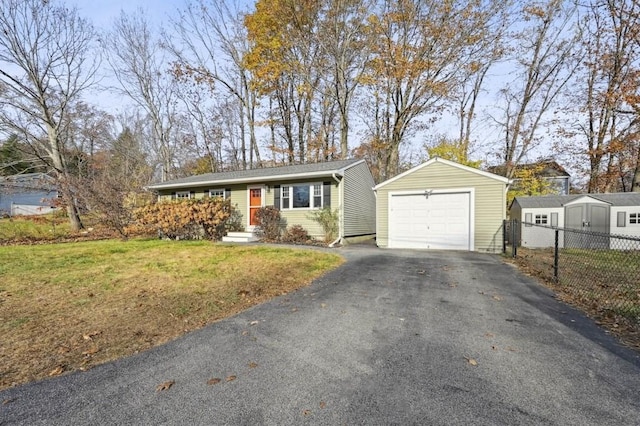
{"type": "Point", "coordinates": [544, 168]}
{"type": "Point", "coordinates": [260, 175]}
{"type": "Point", "coordinates": [29, 181]}
{"type": "Point", "coordinates": [449, 163]}
{"type": "Point", "coordinates": [548, 201]}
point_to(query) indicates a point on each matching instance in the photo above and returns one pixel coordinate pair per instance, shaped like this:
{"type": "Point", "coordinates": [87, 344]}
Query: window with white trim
{"type": "Point", "coordinates": [542, 219]}
{"type": "Point", "coordinates": [634, 218]}
{"type": "Point", "coordinates": [183, 195]}
{"type": "Point", "coordinates": [219, 192]}
{"type": "Point", "coordinates": [303, 196]}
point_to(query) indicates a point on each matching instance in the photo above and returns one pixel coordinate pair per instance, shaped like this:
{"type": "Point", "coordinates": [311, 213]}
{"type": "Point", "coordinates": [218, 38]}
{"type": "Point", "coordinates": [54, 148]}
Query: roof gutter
{"type": "Point", "coordinates": [161, 186]}
{"type": "Point", "coordinates": [340, 225]}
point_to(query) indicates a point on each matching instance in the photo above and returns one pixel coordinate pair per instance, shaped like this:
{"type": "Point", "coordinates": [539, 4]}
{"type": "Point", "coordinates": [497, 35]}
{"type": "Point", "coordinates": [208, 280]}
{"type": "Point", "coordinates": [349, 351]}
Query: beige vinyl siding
{"type": "Point", "coordinates": [490, 199]}
{"type": "Point", "coordinates": [359, 201]}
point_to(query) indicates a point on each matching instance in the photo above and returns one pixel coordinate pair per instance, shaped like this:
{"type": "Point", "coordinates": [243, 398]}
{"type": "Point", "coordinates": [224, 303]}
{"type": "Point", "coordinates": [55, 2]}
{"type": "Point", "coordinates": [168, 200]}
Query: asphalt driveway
{"type": "Point", "coordinates": [391, 337]}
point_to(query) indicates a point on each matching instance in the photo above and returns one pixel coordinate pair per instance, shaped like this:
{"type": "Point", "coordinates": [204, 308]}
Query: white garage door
{"type": "Point", "coordinates": [437, 221]}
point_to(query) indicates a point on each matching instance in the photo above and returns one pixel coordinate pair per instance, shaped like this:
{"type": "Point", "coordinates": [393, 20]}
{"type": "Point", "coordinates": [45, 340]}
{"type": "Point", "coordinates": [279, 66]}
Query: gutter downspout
{"type": "Point", "coordinates": [340, 224]}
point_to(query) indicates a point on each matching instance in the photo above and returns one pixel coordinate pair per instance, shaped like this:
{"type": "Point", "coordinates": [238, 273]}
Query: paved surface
{"type": "Point", "coordinates": [389, 338]}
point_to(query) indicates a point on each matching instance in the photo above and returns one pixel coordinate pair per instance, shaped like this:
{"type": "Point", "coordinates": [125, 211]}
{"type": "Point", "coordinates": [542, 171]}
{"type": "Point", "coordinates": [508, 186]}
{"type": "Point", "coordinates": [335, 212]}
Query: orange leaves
{"type": "Point", "coordinates": [165, 386]}
{"type": "Point", "coordinates": [190, 219]}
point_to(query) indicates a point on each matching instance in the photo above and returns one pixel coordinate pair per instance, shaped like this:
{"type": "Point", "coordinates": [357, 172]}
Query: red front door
{"type": "Point", "coordinates": [255, 202]}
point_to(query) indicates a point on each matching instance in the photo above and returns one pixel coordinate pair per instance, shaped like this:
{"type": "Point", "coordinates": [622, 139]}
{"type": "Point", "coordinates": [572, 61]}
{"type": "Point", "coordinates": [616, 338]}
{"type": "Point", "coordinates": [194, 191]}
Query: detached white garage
{"type": "Point", "coordinates": [442, 205]}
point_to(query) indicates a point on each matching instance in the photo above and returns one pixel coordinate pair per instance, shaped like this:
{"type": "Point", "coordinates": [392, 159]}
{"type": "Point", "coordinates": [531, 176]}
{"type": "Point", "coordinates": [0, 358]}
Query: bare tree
{"type": "Point", "coordinates": [46, 62]}
{"type": "Point", "coordinates": [210, 50]}
{"type": "Point", "coordinates": [419, 49]}
{"type": "Point", "coordinates": [544, 62]}
{"type": "Point", "coordinates": [141, 67]}
{"type": "Point", "coordinates": [342, 35]}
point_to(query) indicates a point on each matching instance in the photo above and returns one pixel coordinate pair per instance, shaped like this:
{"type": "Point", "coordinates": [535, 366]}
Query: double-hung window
{"type": "Point", "coordinates": [217, 193]}
{"type": "Point", "coordinates": [301, 196]}
{"type": "Point", "coordinates": [542, 219]}
{"type": "Point", "coordinates": [634, 218]}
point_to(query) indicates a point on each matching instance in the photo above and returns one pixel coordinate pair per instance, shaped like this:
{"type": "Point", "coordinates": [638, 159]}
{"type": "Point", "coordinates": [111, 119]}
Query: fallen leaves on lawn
{"type": "Point", "coordinates": [252, 365]}
{"type": "Point", "coordinates": [231, 378]}
{"type": "Point", "coordinates": [57, 371]}
{"type": "Point", "coordinates": [306, 412]}
{"type": "Point", "coordinates": [91, 351]}
{"type": "Point", "coordinates": [323, 404]}
{"type": "Point", "coordinates": [254, 323]}
{"type": "Point", "coordinates": [90, 336]}
{"type": "Point", "coordinates": [496, 297]}
{"type": "Point", "coordinates": [165, 386]}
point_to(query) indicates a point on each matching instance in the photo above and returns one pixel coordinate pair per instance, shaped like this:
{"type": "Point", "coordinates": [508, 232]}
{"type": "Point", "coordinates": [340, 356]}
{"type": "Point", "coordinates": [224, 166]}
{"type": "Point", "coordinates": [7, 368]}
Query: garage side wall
{"type": "Point", "coordinates": [489, 208]}
{"type": "Point", "coordinates": [359, 201]}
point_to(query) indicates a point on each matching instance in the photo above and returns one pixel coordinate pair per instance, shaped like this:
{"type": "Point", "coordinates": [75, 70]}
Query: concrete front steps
{"type": "Point", "coordinates": [239, 237]}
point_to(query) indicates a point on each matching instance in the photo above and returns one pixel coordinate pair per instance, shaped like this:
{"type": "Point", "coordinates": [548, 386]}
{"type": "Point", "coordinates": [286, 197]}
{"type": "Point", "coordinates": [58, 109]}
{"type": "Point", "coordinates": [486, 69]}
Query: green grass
{"type": "Point", "coordinates": [45, 227]}
{"type": "Point", "coordinates": [60, 302]}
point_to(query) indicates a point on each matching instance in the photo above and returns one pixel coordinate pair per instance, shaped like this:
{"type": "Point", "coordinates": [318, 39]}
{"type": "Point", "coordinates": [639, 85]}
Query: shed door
{"type": "Point", "coordinates": [436, 221]}
{"type": "Point", "coordinates": [589, 218]}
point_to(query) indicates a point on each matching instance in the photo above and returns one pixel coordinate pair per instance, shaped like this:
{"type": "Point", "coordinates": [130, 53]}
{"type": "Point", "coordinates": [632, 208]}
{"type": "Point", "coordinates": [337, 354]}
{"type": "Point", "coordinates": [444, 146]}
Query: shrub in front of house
{"type": "Point", "coordinates": [186, 219]}
{"type": "Point", "coordinates": [268, 223]}
{"type": "Point", "coordinates": [296, 234]}
{"type": "Point", "coordinates": [328, 221]}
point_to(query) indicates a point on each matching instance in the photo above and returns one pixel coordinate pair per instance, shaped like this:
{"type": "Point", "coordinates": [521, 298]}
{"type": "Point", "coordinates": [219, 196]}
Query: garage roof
{"type": "Point", "coordinates": [447, 162]}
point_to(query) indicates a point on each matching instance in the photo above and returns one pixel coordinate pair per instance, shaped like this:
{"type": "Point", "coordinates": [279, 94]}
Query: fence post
{"type": "Point", "coordinates": [504, 236]}
{"type": "Point", "coordinates": [514, 238]}
{"type": "Point", "coordinates": [555, 256]}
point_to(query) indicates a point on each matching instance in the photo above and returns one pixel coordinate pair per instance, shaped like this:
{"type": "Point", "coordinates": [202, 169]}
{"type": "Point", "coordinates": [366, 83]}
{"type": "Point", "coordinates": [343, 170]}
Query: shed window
{"type": "Point", "coordinates": [634, 218]}
{"type": "Point", "coordinates": [541, 219]}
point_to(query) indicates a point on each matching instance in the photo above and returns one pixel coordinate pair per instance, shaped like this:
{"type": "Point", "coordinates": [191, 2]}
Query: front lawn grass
{"type": "Point", "coordinates": [66, 307]}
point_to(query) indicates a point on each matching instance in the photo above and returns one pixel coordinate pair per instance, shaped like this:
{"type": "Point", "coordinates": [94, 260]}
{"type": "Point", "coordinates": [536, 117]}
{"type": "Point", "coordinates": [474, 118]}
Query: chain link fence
{"type": "Point", "coordinates": [597, 271]}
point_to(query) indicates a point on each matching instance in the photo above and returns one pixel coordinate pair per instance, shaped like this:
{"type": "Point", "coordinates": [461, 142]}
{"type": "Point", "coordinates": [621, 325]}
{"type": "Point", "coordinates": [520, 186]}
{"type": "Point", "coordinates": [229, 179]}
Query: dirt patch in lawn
{"type": "Point", "coordinates": [591, 286]}
{"type": "Point", "coordinates": [67, 307]}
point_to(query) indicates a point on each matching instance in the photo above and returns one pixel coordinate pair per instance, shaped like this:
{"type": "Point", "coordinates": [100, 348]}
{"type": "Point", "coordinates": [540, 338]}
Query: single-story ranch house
{"type": "Point", "coordinates": [345, 185]}
{"type": "Point", "coordinates": [442, 205]}
{"type": "Point", "coordinates": [615, 213]}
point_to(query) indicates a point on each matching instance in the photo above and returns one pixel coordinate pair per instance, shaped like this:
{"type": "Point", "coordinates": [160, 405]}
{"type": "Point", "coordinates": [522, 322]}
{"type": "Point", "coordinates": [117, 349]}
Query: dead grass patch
{"type": "Point", "coordinates": [66, 307]}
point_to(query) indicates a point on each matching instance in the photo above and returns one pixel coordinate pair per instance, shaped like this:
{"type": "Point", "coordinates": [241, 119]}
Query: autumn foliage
{"type": "Point", "coordinates": [186, 219]}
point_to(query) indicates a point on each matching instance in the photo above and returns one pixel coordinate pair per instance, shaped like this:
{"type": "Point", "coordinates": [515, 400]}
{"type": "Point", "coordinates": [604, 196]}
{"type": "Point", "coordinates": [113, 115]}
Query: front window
{"type": "Point", "coordinates": [634, 218]}
{"type": "Point", "coordinates": [216, 193]}
{"type": "Point", "coordinates": [183, 195]}
{"type": "Point", "coordinates": [541, 219]}
{"type": "Point", "coordinates": [307, 196]}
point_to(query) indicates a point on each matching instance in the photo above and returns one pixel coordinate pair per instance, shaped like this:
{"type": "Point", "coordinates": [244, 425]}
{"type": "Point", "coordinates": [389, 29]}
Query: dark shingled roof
{"type": "Point", "coordinates": [547, 201]}
{"type": "Point", "coordinates": [298, 170]}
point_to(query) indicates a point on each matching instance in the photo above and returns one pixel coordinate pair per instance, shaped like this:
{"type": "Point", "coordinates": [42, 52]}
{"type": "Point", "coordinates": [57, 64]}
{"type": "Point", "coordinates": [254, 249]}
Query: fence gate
{"type": "Point", "coordinates": [587, 217]}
